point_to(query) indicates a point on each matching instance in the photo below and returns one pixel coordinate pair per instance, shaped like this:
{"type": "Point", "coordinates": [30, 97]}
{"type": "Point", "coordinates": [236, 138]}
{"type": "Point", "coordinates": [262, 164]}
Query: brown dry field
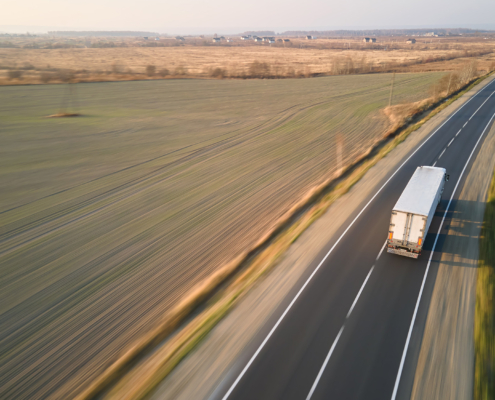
{"type": "Point", "coordinates": [108, 220]}
{"type": "Point", "coordinates": [303, 58]}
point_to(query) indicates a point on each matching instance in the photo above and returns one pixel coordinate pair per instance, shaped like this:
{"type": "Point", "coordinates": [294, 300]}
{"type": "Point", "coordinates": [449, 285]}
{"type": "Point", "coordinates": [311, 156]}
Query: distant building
{"type": "Point", "coordinates": [229, 40]}
{"type": "Point", "coordinates": [145, 38]}
{"type": "Point", "coordinates": [271, 40]}
{"type": "Point", "coordinates": [411, 41]}
{"type": "Point", "coordinates": [309, 37]}
{"type": "Point", "coordinates": [280, 40]}
{"type": "Point", "coordinates": [286, 40]}
{"type": "Point", "coordinates": [181, 38]}
{"type": "Point", "coordinates": [258, 39]}
{"type": "Point", "coordinates": [216, 40]}
{"type": "Point", "coordinates": [366, 40]}
{"type": "Point", "coordinates": [373, 40]}
{"type": "Point", "coordinates": [157, 38]}
{"type": "Point", "coordinates": [245, 38]}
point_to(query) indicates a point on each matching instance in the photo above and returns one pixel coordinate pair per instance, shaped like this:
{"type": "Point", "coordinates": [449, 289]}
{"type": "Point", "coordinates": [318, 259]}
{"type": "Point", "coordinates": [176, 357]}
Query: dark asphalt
{"type": "Point", "coordinates": [366, 358]}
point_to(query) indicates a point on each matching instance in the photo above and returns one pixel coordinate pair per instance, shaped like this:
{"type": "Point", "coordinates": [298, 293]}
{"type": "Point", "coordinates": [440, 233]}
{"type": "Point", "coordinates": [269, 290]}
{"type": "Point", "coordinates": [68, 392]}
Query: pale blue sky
{"type": "Point", "coordinates": [195, 16]}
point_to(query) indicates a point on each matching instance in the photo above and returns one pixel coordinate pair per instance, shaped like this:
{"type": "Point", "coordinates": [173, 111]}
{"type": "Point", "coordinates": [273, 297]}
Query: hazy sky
{"type": "Point", "coordinates": [180, 16]}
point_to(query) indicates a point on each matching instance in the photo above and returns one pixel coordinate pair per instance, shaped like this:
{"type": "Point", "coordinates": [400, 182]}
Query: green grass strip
{"type": "Point", "coordinates": [484, 322]}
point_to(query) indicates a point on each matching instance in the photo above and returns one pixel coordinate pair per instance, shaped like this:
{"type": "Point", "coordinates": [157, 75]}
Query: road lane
{"type": "Point", "coordinates": [366, 358]}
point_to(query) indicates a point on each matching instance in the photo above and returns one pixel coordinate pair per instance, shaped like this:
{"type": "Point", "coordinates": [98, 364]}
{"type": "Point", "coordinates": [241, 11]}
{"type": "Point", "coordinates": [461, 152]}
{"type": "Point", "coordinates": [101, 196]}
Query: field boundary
{"type": "Point", "coordinates": [484, 321]}
{"type": "Point", "coordinates": [217, 295]}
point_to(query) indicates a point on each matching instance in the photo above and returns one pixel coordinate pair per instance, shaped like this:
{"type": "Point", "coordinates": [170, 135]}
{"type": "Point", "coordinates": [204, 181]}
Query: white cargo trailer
{"type": "Point", "coordinates": [414, 211]}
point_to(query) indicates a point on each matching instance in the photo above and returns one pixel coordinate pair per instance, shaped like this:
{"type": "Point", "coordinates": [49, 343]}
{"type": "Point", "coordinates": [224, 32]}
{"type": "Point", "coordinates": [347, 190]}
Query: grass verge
{"type": "Point", "coordinates": [484, 323]}
{"type": "Point", "coordinates": [139, 382]}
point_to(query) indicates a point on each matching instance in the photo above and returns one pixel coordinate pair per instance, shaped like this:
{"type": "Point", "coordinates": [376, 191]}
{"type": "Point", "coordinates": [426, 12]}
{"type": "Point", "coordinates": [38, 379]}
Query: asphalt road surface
{"type": "Point", "coordinates": [345, 332]}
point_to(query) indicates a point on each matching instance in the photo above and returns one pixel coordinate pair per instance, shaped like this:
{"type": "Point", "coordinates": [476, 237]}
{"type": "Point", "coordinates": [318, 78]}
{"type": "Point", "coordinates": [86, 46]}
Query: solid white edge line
{"type": "Point", "coordinates": [401, 366]}
{"type": "Point", "coordinates": [262, 345]}
{"type": "Point", "coordinates": [359, 293]}
{"type": "Point", "coordinates": [313, 388]}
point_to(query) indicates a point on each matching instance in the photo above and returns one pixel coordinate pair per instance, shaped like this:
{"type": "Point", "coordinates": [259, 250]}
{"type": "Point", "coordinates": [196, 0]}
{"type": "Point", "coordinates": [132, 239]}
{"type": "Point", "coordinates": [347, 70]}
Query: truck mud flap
{"type": "Point", "coordinates": [402, 252]}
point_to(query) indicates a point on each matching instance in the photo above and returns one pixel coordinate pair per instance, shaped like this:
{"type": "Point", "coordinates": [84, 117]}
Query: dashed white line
{"type": "Point", "coordinates": [435, 163]}
{"type": "Point", "coordinates": [324, 364]}
{"type": "Point", "coordinates": [381, 251]}
{"type": "Point", "coordinates": [359, 293]}
{"type": "Point", "coordinates": [458, 132]}
{"type": "Point", "coordinates": [401, 366]}
{"type": "Point", "coordinates": [315, 383]}
{"type": "Point", "coordinates": [465, 124]}
{"type": "Point", "coordinates": [291, 304]}
{"type": "Point", "coordinates": [441, 154]}
{"type": "Point", "coordinates": [451, 142]}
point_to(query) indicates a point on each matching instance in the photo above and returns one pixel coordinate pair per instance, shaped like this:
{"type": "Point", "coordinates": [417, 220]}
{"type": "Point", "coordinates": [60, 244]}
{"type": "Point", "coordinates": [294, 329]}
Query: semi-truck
{"type": "Point", "coordinates": [414, 211]}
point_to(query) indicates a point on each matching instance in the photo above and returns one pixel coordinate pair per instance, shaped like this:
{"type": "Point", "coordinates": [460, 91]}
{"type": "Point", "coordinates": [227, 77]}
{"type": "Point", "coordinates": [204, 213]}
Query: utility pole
{"type": "Point", "coordinates": [391, 90]}
{"type": "Point", "coordinates": [448, 87]}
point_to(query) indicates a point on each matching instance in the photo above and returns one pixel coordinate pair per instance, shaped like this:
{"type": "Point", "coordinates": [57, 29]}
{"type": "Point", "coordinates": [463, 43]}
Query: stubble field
{"type": "Point", "coordinates": [235, 60]}
{"type": "Point", "coordinates": [108, 219]}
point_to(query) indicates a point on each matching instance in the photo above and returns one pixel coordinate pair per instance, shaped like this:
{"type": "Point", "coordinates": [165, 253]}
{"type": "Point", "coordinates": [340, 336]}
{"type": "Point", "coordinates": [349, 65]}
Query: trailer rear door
{"type": "Point", "coordinates": [416, 228]}
{"type": "Point", "coordinates": [407, 227]}
{"type": "Point", "coordinates": [399, 220]}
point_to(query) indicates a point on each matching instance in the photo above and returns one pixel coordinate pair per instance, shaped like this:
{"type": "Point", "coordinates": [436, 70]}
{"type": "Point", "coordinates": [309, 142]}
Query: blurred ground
{"type": "Point", "coordinates": [108, 219]}
{"type": "Point", "coordinates": [445, 367]}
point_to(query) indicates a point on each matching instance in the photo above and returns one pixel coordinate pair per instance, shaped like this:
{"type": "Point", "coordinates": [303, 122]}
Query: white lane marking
{"type": "Point", "coordinates": [381, 251]}
{"type": "Point", "coordinates": [262, 345]}
{"type": "Point", "coordinates": [324, 364]}
{"type": "Point", "coordinates": [315, 383]}
{"type": "Point", "coordinates": [359, 293]}
{"type": "Point", "coordinates": [488, 98]}
{"type": "Point", "coordinates": [435, 163]}
{"type": "Point", "coordinates": [440, 156]}
{"type": "Point", "coordinates": [401, 366]}
{"type": "Point", "coordinates": [458, 132]}
{"type": "Point", "coordinates": [451, 142]}
{"type": "Point", "coordinates": [466, 122]}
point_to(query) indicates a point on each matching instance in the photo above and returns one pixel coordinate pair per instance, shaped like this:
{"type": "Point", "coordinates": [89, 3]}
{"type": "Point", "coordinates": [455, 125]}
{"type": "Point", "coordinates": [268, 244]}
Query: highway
{"type": "Point", "coordinates": [350, 329]}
